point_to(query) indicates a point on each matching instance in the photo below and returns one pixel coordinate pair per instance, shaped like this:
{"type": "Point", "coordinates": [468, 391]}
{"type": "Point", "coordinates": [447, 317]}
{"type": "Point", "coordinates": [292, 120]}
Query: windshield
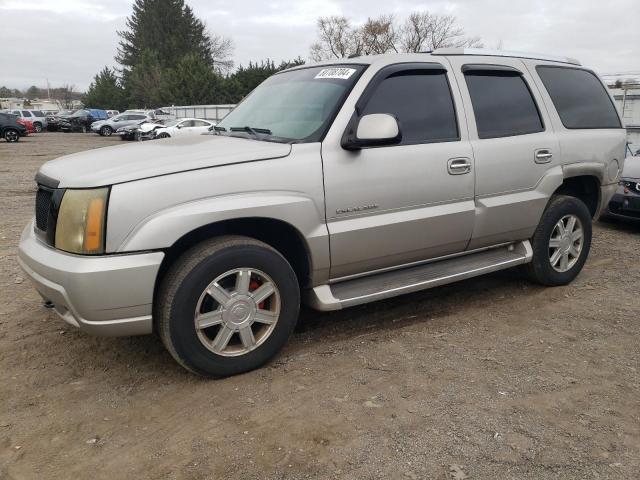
{"type": "Point", "coordinates": [295, 105]}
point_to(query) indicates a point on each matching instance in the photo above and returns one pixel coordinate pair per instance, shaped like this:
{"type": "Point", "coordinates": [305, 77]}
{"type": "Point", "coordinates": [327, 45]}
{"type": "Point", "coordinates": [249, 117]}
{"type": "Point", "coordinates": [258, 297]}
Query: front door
{"type": "Point", "coordinates": [393, 205]}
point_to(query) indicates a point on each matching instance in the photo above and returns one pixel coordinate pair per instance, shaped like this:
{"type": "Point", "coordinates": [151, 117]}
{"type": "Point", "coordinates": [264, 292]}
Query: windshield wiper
{"type": "Point", "coordinates": [251, 130]}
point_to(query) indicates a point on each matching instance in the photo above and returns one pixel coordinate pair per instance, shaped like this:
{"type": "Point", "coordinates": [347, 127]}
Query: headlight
{"type": "Point", "coordinates": [81, 221]}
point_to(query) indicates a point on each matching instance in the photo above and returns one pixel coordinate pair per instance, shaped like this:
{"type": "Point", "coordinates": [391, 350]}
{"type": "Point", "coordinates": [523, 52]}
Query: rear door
{"type": "Point", "coordinates": [393, 205]}
{"type": "Point", "coordinates": [513, 143]}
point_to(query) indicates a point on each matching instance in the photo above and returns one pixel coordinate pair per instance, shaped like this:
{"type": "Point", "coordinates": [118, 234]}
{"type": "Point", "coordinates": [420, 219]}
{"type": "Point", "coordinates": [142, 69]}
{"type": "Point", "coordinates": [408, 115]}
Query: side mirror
{"type": "Point", "coordinates": [179, 126]}
{"type": "Point", "coordinates": [374, 130]}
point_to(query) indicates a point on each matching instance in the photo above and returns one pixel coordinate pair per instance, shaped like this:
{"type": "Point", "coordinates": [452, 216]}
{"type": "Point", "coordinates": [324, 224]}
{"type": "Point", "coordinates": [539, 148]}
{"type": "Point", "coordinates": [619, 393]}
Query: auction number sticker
{"type": "Point", "coordinates": [339, 73]}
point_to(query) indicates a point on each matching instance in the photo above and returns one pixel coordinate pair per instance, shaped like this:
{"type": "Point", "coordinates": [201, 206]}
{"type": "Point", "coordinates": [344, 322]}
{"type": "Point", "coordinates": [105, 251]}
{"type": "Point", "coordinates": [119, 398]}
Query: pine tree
{"type": "Point", "coordinates": [105, 92]}
{"type": "Point", "coordinates": [191, 82]}
{"type": "Point", "coordinates": [167, 27]}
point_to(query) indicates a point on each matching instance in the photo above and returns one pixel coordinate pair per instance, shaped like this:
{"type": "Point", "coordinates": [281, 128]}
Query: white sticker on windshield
{"type": "Point", "coordinates": [339, 73]}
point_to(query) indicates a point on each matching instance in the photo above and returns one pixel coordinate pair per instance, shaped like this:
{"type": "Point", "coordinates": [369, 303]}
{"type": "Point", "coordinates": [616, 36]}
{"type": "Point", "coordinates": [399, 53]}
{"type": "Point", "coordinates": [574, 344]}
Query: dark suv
{"type": "Point", "coordinates": [79, 121]}
{"type": "Point", "coordinates": [10, 129]}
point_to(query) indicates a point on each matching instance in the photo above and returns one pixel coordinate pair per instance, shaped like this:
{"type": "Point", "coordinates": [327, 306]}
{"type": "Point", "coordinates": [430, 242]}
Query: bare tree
{"type": "Point", "coordinates": [378, 35]}
{"type": "Point", "coordinates": [338, 37]}
{"type": "Point", "coordinates": [425, 31]}
{"type": "Point", "coordinates": [221, 52]}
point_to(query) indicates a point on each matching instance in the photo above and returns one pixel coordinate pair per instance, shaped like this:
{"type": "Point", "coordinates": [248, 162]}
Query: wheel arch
{"type": "Point", "coordinates": [280, 235]}
{"type": "Point", "coordinates": [585, 186]}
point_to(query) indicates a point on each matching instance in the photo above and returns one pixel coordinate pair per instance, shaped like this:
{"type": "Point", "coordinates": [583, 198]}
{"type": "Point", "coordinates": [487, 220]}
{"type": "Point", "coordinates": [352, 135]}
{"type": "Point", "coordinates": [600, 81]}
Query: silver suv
{"type": "Point", "coordinates": [37, 117]}
{"type": "Point", "coordinates": [335, 184]}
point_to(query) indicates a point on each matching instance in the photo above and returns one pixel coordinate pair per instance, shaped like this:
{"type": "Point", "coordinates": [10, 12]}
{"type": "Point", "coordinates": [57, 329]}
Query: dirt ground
{"type": "Point", "coordinates": [490, 378]}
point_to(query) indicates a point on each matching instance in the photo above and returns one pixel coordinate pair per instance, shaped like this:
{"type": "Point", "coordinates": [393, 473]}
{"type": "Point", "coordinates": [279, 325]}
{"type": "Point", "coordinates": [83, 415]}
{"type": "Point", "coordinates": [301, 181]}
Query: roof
{"type": "Point", "coordinates": [418, 57]}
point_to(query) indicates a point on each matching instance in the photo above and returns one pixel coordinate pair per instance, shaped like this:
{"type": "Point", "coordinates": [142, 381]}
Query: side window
{"type": "Point", "coordinates": [187, 124]}
{"type": "Point", "coordinates": [421, 101]}
{"type": "Point", "coordinates": [137, 117]}
{"type": "Point", "coordinates": [579, 97]}
{"type": "Point", "coordinates": [502, 103]}
{"type": "Point", "coordinates": [25, 113]}
{"type": "Point", "coordinates": [200, 123]}
{"type": "Point", "coordinates": [38, 113]}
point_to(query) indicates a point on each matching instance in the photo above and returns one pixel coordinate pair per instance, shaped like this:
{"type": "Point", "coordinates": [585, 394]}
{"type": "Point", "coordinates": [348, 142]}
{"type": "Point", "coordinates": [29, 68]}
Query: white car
{"type": "Point", "coordinates": [183, 127]}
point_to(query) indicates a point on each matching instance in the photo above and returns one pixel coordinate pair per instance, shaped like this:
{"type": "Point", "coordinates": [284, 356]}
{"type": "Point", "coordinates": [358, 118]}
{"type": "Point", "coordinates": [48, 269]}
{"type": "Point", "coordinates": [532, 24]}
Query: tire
{"type": "Point", "coordinates": [11, 135]}
{"type": "Point", "coordinates": [163, 135]}
{"type": "Point", "coordinates": [184, 291]}
{"type": "Point", "coordinates": [37, 127]}
{"type": "Point", "coordinates": [549, 234]}
{"type": "Point", "coordinates": [106, 131]}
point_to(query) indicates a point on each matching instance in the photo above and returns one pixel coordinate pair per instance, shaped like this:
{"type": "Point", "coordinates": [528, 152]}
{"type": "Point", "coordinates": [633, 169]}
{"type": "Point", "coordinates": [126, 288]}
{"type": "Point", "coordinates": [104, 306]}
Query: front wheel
{"type": "Point", "coordinates": [163, 135]}
{"type": "Point", "coordinates": [561, 242]}
{"type": "Point", "coordinates": [11, 135]}
{"type": "Point", "coordinates": [37, 127]}
{"type": "Point", "coordinates": [106, 131]}
{"type": "Point", "coordinates": [227, 306]}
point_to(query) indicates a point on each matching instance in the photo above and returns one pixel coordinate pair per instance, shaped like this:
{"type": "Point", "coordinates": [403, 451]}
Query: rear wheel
{"type": "Point", "coordinates": [227, 306]}
{"type": "Point", "coordinates": [106, 131]}
{"type": "Point", "coordinates": [11, 135]}
{"type": "Point", "coordinates": [561, 242]}
{"type": "Point", "coordinates": [37, 127]}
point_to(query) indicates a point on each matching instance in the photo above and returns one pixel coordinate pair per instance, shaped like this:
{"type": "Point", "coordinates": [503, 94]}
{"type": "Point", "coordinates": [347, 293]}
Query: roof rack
{"type": "Point", "coordinates": [504, 53]}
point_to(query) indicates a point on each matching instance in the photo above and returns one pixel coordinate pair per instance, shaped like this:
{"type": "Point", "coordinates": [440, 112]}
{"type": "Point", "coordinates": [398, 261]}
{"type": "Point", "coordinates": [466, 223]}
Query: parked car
{"type": "Point", "coordinates": [78, 121]}
{"type": "Point", "coordinates": [28, 125]}
{"type": "Point", "coordinates": [10, 129]}
{"type": "Point", "coordinates": [108, 126]}
{"type": "Point", "coordinates": [625, 203]}
{"type": "Point", "coordinates": [53, 120]}
{"type": "Point", "coordinates": [336, 184]}
{"type": "Point", "coordinates": [183, 127]}
{"type": "Point", "coordinates": [37, 117]}
{"type": "Point", "coordinates": [143, 130]}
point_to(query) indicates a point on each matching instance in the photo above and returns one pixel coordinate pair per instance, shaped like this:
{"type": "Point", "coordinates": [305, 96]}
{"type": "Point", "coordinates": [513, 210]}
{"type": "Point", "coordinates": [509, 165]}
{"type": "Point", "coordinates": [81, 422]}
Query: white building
{"type": "Point", "coordinates": [628, 103]}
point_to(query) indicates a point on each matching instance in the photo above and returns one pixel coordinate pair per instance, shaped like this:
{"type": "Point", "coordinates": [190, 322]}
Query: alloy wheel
{"type": "Point", "coordinates": [11, 136]}
{"type": "Point", "coordinates": [565, 243]}
{"type": "Point", "coordinates": [237, 312]}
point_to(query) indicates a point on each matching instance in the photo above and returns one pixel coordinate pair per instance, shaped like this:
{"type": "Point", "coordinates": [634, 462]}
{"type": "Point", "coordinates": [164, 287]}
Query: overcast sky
{"type": "Point", "coordinates": [68, 41]}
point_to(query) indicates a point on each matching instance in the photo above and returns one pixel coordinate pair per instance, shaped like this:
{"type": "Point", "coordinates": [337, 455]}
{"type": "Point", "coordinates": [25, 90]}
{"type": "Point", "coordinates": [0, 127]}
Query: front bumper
{"type": "Point", "coordinates": [624, 205]}
{"type": "Point", "coordinates": [102, 295]}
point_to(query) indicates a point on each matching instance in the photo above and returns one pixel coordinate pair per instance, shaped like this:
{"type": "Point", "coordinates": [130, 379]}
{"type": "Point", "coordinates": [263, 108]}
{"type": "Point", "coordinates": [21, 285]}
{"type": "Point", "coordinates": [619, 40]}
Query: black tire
{"type": "Point", "coordinates": [187, 279]}
{"type": "Point", "coordinates": [163, 135]}
{"type": "Point", "coordinates": [11, 135]}
{"type": "Point", "coordinates": [37, 126]}
{"type": "Point", "coordinates": [540, 269]}
{"type": "Point", "coordinates": [106, 131]}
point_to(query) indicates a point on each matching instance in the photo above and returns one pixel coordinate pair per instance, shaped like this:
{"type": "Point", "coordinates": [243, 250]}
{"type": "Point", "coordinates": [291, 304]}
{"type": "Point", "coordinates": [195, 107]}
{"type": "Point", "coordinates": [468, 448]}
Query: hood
{"type": "Point", "coordinates": [124, 163]}
{"type": "Point", "coordinates": [631, 168]}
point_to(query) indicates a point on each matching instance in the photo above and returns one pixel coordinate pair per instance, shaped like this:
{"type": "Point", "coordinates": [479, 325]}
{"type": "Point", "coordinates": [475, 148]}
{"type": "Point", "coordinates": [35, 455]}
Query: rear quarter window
{"type": "Point", "coordinates": [579, 97]}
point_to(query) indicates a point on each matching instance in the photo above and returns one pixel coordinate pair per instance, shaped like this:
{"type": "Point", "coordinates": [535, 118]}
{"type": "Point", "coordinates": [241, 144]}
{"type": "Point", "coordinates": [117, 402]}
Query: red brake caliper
{"type": "Point", "coordinates": [253, 286]}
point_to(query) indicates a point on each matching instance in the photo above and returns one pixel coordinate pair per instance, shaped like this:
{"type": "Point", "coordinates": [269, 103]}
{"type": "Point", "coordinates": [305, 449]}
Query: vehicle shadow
{"type": "Point", "coordinates": [622, 225]}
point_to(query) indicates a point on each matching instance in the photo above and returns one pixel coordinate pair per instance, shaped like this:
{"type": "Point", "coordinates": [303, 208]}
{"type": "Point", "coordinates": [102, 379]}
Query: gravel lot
{"type": "Point", "coordinates": [488, 378]}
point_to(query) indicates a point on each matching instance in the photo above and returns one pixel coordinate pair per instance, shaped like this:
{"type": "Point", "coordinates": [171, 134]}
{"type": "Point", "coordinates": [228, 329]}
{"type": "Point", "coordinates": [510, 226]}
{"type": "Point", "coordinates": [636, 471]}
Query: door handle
{"type": "Point", "coordinates": [458, 166]}
{"type": "Point", "coordinates": [543, 155]}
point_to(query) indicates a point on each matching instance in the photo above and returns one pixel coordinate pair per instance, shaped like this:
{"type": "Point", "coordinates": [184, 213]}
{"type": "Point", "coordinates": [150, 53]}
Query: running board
{"type": "Point", "coordinates": [398, 282]}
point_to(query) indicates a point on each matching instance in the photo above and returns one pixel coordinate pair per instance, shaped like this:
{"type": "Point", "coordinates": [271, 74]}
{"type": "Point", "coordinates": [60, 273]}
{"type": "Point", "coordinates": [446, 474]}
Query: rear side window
{"type": "Point", "coordinates": [421, 101]}
{"type": "Point", "coordinates": [502, 104]}
{"type": "Point", "coordinates": [579, 97]}
{"type": "Point", "coordinates": [38, 113]}
{"type": "Point", "coordinates": [25, 113]}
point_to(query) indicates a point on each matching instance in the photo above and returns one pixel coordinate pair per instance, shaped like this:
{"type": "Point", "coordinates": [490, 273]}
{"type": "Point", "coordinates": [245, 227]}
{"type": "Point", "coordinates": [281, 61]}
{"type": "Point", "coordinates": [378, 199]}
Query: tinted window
{"type": "Point", "coordinates": [187, 123]}
{"type": "Point", "coordinates": [502, 104]}
{"type": "Point", "coordinates": [200, 123]}
{"type": "Point", "coordinates": [38, 113]}
{"type": "Point", "coordinates": [137, 117]}
{"type": "Point", "coordinates": [579, 97]}
{"type": "Point", "coordinates": [25, 113]}
{"type": "Point", "coordinates": [422, 103]}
